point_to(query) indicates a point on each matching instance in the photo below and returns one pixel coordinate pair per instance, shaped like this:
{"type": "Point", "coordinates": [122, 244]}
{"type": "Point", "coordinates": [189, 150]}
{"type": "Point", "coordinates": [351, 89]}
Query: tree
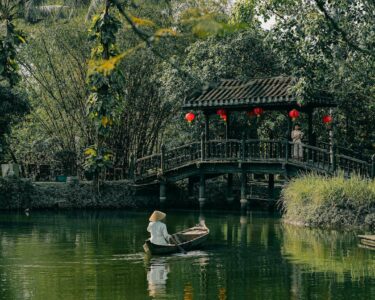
{"type": "Point", "coordinates": [13, 104]}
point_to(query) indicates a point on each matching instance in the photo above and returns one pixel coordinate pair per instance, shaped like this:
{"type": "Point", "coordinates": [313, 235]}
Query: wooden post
{"type": "Point", "coordinates": [162, 192]}
{"type": "Point", "coordinates": [310, 132]}
{"type": "Point", "coordinates": [287, 150]}
{"type": "Point", "coordinates": [271, 186]}
{"type": "Point", "coordinates": [310, 126]}
{"type": "Point", "coordinates": [162, 159]}
{"type": "Point", "coordinates": [202, 191]}
{"type": "Point", "coordinates": [243, 199]}
{"type": "Point", "coordinates": [230, 197]}
{"type": "Point", "coordinates": [243, 148]}
{"type": "Point", "coordinates": [334, 158]}
{"type": "Point", "coordinates": [227, 126]}
{"type": "Point", "coordinates": [203, 148]}
{"type": "Point", "coordinates": [207, 125]}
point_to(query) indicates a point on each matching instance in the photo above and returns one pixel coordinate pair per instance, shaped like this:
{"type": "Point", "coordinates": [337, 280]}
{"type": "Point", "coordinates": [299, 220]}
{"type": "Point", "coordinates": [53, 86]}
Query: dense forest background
{"type": "Point", "coordinates": [163, 51]}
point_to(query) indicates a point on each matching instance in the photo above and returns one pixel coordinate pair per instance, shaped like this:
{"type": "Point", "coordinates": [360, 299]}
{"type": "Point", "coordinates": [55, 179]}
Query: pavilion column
{"type": "Point", "coordinates": [207, 125]}
{"type": "Point", "coordinates": [243, 199]}
{"type": "Point", "coordinates": [227, 126]}
{"type": "Point", "coordinates": [202, 191]}
{"type": "Point", "coordinates": [310, 127]}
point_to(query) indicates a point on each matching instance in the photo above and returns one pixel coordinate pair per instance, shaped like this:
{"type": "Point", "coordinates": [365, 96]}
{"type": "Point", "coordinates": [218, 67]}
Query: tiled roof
{"type": "Point", "coordinates": [229, 93]}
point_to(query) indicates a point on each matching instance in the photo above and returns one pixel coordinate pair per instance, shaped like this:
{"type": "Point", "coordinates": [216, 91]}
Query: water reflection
{"type": "Point", "coordinates": [157, 276]}
{"type": "Point", "coordinates": [69, 256]}
{"type": "Point", "coordinates": [328, 251]}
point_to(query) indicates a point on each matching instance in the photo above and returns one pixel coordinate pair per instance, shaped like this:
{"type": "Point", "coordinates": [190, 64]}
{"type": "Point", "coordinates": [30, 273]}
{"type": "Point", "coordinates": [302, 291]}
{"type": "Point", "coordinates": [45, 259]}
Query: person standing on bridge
{"type": "Point", "coordinates": [297, 136]}
{"type": "Point", "coordinates": [158, 230]}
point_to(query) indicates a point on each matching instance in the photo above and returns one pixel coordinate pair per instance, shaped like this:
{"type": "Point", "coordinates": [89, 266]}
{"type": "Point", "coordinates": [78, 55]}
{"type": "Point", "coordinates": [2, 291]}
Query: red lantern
{"type": "Point", "coordinates": [221, 112]}
{"type": "Point", "coordinates": [189, 117]}
{"type": "Point", "coordinates": [251, 113]}
{"type": "Point", "coordinates": [294, 114]}
{"type": "Point", "coordinates": [327, 119]}
{"type": "Point", "coordinates": [224, 117]}
{"type": "Point", "coordinates": [258, 111]}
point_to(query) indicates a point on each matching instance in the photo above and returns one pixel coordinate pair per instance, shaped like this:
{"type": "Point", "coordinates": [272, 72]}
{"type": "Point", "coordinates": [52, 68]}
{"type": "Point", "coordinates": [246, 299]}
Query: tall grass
{"type": "Point", "coordinates": [329, 201]}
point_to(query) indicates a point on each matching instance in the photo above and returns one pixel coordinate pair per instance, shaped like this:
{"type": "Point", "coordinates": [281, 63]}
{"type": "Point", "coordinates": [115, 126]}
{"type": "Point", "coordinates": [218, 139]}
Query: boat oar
{"type": "Point", "coordinates": [182, 250]}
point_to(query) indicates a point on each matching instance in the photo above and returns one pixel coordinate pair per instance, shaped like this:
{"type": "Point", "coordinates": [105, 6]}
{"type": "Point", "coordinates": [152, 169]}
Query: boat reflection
{"type": "Point", "coordinates": [157, 276]}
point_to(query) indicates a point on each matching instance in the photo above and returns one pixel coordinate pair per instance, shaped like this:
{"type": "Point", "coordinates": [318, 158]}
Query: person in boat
{"type": "Point", "coordinates": [158, 229]}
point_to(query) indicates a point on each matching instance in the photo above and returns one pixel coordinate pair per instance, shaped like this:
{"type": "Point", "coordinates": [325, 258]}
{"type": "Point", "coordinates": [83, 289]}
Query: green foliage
{"type": "Point", "coordinates": [329, 202]}
{"type": "Point", "coordinates": [15, 193]}
{"type": "Point", "coordinates": [318, 43]}
{"type": "Point", "coordinates": [102, 84]}
{"type": "Point", "coordinates": [12, 101]}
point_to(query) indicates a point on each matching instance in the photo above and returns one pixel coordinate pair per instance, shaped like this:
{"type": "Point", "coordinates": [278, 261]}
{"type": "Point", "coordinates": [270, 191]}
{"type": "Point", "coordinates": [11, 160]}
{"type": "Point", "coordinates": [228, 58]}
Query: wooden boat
{"type": "Point", "coordinates": [189, 239]}
{"type": "Point", "coordinates": [367, 241]}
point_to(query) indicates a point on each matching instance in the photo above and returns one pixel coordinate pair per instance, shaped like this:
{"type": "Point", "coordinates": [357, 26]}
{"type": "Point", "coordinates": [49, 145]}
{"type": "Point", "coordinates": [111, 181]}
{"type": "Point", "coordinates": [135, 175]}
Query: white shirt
{"type": "Point", "coordinates": [159, 233]}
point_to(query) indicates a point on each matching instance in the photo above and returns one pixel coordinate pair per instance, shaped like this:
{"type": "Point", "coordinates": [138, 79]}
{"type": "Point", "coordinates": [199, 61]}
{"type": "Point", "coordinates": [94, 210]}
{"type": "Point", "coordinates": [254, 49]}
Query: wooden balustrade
{"type": "Point", "coordinates": [322, 159]}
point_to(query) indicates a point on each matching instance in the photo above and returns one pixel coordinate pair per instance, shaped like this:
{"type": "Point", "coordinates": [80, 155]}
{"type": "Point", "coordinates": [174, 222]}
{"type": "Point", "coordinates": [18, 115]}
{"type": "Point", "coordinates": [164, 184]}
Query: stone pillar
{"type": "Point", "coordinates": [191, 188]}
{"type": "Point", "coordinates": [162, 192]}
{"type": "Point", "coordinates": [243, 199]}
{"type": "Point", "coordinates": [202, 191]}
{"type": "Point", "coordinates": [230, 197]}
{"type": "Point", "coordinates": [271, 186]}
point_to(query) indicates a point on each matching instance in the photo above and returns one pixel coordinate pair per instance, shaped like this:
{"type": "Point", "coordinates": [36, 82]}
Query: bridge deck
{"type": "Point", "coordinates": [249, 156]}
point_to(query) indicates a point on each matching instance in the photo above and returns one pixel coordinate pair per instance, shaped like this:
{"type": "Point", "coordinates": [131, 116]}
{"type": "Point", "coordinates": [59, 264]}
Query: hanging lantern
{"type": "Point", "coordinates": [221, 112]}
{"type": "Point", "coordinates": [189, 117]}
{"type": "Point", "coordinates": [294, 114]}
{"type": "Point", "coordinates": [258, 111]}
{"type": "Point", "coordinates": [327, 119]}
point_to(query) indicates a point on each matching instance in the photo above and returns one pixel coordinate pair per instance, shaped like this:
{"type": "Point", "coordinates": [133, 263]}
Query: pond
{"type": "Point", "coordinates": [99, 255]}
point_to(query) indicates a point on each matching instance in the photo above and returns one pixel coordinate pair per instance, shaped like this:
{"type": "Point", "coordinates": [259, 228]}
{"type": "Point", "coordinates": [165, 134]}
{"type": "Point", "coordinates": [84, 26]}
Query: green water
{"type": "Point", "coordinates": [98, 255]}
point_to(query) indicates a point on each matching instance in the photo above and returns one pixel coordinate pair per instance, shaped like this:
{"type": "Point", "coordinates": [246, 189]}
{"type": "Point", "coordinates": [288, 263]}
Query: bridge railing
{"type": "Point", "coordinates": [311, 156]}
{"type": "Point", "coordinates": [352, 165]}
{"type": "Point", "coordinates": [263, 150]}
{"type": "Point", "coordinates": [148, 166]}
{"type": "Point", "coordinates": [182, 155]}
{"type": "Point", "coordinates": [316, 158]}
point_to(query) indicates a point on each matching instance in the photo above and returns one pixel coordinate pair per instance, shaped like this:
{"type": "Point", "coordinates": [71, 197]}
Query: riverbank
{"type": "Point", "coordinates": [329, 202]}
{"type": "Point", "coordinates": [16, 193]}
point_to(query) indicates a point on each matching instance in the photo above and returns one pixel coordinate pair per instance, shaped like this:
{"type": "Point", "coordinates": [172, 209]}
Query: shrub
{"type": "Point", "coordinates": [316, 200]}
{"type": "Point", "coordinates": [15, 193]}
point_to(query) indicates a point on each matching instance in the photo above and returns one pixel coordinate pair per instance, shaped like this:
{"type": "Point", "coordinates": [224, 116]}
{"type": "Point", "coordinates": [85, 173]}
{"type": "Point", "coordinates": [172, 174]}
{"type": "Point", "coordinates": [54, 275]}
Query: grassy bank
{"type": "Point", "coordinates": [17, 193]}
{"type": "Point", "coordinates": [315, 200]}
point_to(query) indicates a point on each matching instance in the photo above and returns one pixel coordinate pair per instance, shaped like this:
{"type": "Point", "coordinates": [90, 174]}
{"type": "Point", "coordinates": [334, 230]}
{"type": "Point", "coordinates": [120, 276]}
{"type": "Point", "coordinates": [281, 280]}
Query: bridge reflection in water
{"type": "Point", "coordinates": [199, 161]}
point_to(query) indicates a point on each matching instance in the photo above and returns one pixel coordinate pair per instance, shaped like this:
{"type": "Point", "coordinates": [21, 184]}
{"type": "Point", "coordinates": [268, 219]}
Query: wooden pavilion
{"type": "Point", "coordinates": [272, 93]}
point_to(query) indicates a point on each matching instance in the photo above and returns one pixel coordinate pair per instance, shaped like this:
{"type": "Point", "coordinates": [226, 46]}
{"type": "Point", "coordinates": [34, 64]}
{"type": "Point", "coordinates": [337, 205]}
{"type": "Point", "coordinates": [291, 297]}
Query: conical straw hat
{"type": "Point", "coordinates": [157, 216]}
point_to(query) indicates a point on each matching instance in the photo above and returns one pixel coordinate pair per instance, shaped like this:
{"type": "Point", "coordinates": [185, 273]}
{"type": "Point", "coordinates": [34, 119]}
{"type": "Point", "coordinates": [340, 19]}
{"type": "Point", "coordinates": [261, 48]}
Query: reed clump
{"type": "Point", "coordinates": [315, 200]}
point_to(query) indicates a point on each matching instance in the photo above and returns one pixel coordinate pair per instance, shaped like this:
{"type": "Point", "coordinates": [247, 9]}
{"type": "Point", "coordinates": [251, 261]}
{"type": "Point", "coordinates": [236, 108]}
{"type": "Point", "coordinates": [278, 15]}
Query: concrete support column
{"type": "Point", "coordinates": [230, 197]}
{"type": "Point", "coordinates": [271, 186]}
{"type": "Point", "coordinates": [202, 191]}
{"type": "Point", "coordinates": [162, 192]}
{"type": "Point", "coordinates": [243, 199]}
{"type": "Point", "coordinates": [191, 188]}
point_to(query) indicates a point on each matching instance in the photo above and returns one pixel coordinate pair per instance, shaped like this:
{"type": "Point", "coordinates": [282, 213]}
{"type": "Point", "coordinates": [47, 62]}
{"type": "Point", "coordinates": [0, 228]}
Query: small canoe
{"type": "Point", "coordinates": [189, 239]}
